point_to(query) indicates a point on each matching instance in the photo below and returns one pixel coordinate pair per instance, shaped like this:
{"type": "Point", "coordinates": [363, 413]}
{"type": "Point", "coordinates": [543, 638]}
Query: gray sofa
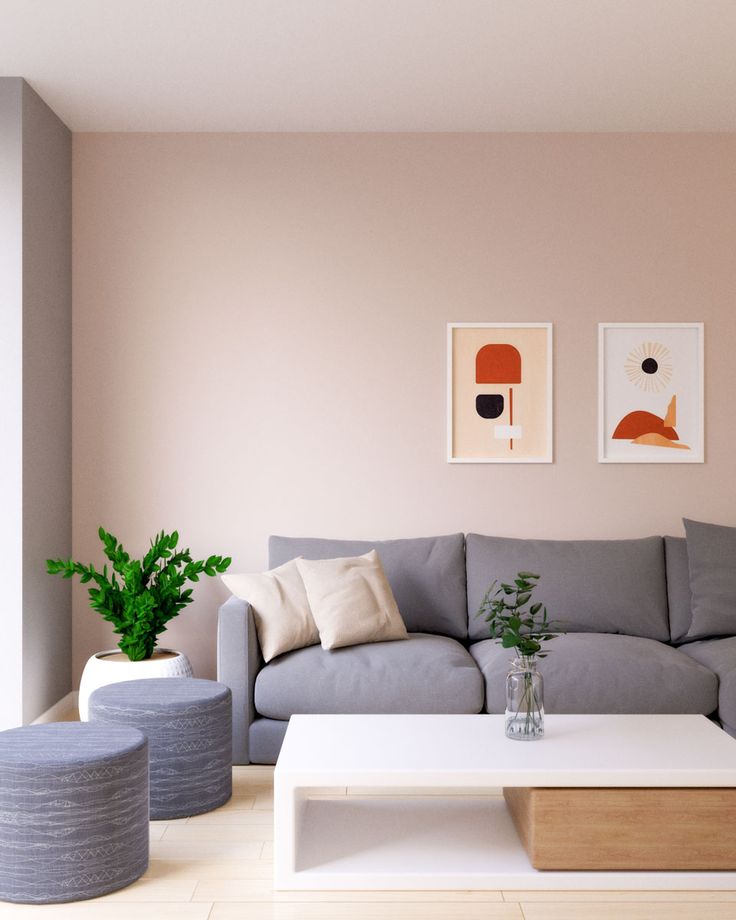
{"type": "Point", "coordinates": [624, 604]}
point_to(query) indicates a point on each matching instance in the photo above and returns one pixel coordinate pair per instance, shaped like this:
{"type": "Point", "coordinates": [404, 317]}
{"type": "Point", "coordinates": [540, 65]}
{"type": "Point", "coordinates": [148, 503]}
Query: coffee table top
{"type": "Point", "coordinates": [472, 751]}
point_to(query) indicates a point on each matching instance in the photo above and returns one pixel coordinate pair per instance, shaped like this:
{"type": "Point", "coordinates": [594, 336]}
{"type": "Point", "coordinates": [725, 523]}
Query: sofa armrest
{"type": "Point", "coordinates": [238, 662]}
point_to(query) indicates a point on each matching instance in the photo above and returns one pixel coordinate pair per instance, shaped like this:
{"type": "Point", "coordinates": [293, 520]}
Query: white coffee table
{"type": "Point", "coordinates": [420, 812]}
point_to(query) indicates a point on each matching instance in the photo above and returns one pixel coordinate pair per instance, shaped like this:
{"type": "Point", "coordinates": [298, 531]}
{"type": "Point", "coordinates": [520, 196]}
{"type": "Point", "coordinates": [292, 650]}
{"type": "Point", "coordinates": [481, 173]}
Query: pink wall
{"type": "Point", "coordinates": [259, 334]}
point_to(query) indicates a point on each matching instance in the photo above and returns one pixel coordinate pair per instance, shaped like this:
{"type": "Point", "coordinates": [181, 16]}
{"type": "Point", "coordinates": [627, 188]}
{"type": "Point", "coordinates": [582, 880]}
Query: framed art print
{"type": "Point", "coordinates": [650, 393]}
{"type": "Point", "coordinates": [499, 392]}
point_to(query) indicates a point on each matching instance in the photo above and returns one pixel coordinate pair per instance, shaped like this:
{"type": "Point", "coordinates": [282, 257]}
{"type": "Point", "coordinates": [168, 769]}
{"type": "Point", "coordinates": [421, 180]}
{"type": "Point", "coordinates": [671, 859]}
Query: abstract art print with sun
{"type": "Point", "coordinates": [650, 393]}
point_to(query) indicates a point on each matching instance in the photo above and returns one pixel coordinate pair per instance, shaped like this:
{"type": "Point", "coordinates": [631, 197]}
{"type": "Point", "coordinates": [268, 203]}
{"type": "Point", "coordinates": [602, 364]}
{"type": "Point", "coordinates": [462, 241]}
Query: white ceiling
{"type": "Point", "coordinates": [377, 65]}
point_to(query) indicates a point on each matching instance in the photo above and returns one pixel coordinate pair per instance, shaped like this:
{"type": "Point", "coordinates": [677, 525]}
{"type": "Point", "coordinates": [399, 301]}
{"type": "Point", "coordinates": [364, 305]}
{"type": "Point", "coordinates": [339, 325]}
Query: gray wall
{"type": "Point", "coordinates": [11, 399]}
{"type": "Point", "coordinates": [47, 409]}
{"type": "Point", "coordinates": [35, 401]}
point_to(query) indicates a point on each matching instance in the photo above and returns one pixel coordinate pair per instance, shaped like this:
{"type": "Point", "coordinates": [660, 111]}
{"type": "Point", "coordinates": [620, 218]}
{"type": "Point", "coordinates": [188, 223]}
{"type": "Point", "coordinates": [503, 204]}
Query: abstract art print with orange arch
{"type": "Point", "coordinates": [499, 392]}
{"type": "Point", "coordinates": [650, 393]}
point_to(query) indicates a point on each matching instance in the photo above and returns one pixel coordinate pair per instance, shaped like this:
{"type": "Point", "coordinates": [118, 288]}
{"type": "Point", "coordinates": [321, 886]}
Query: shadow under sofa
{"type": "Point", "coordinates": [625, 607]}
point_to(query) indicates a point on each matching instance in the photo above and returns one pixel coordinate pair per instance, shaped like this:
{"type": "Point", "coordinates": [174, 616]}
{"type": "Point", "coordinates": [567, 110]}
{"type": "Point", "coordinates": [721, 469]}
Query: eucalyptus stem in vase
{"type": "Point", "coordinates": [522, 625]}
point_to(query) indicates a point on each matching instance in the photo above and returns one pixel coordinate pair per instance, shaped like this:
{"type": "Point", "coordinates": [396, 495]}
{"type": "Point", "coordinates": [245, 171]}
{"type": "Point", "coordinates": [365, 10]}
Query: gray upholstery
{"type": "Point", "coordinates": [711, 551]}
{"type": "Point", "coordinates": [601, 586]}
{"type": "Point", "coordinates": [613, 597]}
{"type": "Point", "coordinates": [266, 738]}
{"type": "Point", "coordinates": [423, 673]}
{"type": "Point", "coordinates": [606, 673]}
{"type": "Point", "coordinates": [73, 811]}
{"type": "Point", "coordinates": [188, 723]}
{"type": "Point", "coordinates": [678, 587]}
{"type": "Point", "coordinates": [426, 574]}
{"type": "Point", "coordinates": [238, 661]}
{"type": "Point", "coordinates": [720, 656]}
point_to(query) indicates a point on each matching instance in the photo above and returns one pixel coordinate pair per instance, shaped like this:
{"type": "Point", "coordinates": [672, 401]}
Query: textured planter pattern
{"type": "Point", "coordinates": [100, 670]}
{"type": "Point", "coordinates": [73, 811]}
{"type": "Point", "coordinates": [189, 727]}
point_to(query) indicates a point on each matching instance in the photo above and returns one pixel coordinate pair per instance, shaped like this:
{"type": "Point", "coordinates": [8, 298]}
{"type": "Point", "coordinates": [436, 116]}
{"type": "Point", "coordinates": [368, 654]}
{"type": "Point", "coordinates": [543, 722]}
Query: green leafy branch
{"type": "Point", "coordinates": [503, 607]}
{"type": "Point", "coordinates": [139, 597]}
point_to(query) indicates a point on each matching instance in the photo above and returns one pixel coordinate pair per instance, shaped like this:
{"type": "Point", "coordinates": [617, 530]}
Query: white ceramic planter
{"type": "Point", "coordinates": [111, 667]}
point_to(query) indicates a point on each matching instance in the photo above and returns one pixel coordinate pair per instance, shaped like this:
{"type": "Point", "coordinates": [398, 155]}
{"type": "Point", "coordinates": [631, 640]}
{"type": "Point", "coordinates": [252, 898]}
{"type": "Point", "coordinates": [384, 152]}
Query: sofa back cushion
{"type": "Point", "coordinates": [711, 553]}
{"type": "Point", "coordinates": [678, 587]}
{"type": "Point", "coordinates": [606, 586]}
{"type": "Point", "coordinates": [426, 574]}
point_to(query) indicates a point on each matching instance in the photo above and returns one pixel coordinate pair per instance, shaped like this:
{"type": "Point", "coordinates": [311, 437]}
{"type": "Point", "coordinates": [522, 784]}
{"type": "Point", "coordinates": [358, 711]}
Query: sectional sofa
{"type": "Point", "coordinates": [625, 606]}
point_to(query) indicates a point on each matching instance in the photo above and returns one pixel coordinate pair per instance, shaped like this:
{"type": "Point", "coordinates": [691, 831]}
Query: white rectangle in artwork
{"type": "Point", "coordinates": [507, 432]}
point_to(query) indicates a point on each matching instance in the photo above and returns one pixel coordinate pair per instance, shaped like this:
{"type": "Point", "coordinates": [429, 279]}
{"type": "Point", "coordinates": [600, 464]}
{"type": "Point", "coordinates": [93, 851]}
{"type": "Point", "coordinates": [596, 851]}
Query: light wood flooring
{"type": "Point", "coordinates": [219, 866]}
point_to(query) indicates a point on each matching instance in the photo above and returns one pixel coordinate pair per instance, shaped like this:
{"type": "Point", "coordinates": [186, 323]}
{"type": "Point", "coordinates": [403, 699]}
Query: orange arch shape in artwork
{"type": "Point", "coordinates": [498, 364]}
{"type": "Point", "coordinates": [638, 423]}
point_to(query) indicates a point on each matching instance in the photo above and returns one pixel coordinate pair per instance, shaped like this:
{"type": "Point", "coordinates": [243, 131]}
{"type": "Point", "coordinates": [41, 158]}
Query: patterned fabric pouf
{"type": "Point", "coordinates": [73, 811]}
{"type": "Point", "coordinates": [188, 723]}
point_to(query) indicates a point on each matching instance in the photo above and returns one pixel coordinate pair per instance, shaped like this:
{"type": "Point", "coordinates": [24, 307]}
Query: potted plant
{"type": "Point", "coordinates": [138, 597]}
{"type": "Point", "coordinates": [519, 624]}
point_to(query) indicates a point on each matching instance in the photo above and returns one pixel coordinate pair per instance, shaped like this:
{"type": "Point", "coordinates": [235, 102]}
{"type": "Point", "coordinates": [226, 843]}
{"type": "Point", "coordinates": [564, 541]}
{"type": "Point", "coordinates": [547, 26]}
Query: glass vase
{"type": "Point", "coordinates": [524, 700]}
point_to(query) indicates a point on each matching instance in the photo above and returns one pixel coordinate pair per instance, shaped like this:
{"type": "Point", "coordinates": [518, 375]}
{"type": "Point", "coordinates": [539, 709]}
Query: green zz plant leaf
{"type": "Point", "coordinates": [511, 621]}
{"type": "Point", "coordinates": [139, 596]}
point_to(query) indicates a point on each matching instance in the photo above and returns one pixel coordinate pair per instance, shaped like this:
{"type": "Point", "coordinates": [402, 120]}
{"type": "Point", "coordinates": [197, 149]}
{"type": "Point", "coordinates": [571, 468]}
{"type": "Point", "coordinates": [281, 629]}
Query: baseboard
{"type": "Point", "coordinates": [59, 711]}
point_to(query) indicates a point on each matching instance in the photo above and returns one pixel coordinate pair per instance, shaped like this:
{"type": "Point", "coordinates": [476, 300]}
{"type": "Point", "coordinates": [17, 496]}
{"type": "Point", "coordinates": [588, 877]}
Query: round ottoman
{"type": "Point", "coordinates": [188, 723]}
{"type": "Point", "coordinates": [73, 811]}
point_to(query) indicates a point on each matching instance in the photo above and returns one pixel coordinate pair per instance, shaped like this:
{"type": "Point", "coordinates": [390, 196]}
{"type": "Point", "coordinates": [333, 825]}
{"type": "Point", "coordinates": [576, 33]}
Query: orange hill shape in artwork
{"type": "Point", "coordinates": [648, 429]}
{"type": "Point", "coordinates": [657, 440]}
{"type": "Point", "coordinates": [636, 424]}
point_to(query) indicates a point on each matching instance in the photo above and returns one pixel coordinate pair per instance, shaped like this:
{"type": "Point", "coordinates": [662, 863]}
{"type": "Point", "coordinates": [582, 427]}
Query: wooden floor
{"type": "Point", "coordinates": [218, 866]}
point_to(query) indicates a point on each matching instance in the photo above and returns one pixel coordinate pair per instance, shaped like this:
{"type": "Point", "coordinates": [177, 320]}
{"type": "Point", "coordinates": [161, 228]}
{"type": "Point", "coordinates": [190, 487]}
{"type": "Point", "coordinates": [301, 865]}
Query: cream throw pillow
{"type": "Point", "coordinates": [280, 608]}
{"type": "Point", "coordinates": [351, 600]}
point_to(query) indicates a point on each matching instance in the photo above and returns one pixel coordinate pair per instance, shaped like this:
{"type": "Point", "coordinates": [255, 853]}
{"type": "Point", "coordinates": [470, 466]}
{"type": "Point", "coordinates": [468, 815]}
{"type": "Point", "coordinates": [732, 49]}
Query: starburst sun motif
{"type": "Point", "coordinates": [649, 367]}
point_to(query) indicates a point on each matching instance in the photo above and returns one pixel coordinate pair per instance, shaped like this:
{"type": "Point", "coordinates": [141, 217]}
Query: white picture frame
{"type": "Point", "coordinates": [654, 413]}
{"type": "Point", "coordinates": [472, 441]}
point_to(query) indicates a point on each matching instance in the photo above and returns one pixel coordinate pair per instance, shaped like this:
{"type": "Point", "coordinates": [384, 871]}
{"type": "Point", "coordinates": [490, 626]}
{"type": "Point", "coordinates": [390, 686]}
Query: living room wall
{"type": "Point", "coordinates": [35, 401]}
{"type": "Point", "coordinates": [260, 320]}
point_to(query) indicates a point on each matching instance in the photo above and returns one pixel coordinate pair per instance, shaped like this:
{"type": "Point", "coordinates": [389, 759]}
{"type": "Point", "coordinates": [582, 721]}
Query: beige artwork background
{"type": "Point", "coordinates": [473, 437]}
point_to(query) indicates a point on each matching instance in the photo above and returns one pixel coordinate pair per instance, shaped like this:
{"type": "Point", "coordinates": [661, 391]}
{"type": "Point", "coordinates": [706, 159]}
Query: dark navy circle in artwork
{"type": "Point", "coordinates": [649, 366]}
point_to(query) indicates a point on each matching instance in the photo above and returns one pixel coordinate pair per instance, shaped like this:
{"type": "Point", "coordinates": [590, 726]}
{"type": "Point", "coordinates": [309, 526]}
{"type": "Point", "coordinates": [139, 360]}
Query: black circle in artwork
{"type": "Point", "coordinates": [649, 366]}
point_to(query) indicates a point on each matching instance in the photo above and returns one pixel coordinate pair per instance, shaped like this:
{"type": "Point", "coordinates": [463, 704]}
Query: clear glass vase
{"type": "Point", "coordinates": [524, 700]}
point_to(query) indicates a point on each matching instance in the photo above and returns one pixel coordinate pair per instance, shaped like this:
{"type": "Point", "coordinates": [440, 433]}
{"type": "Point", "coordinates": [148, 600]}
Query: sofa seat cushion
{"type": "Point", "coordinates": [422, 674]}
{"type": "Point", "coordinates": [720, 656]}
{"type": "Point", "coordinates": [606, 673]}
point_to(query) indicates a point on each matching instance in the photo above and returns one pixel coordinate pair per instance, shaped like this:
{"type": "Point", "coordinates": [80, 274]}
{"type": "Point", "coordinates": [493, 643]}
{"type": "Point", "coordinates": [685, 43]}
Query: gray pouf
{"type": "Point", "coordinates": [73, 811]}
{"type": "Point", "coordinates": [188, 723]}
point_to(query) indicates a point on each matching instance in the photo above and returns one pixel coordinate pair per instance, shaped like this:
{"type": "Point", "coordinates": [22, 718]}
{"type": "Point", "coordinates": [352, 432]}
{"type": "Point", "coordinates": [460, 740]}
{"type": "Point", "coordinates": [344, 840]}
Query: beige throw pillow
{"type": "Point", "coordinates": [351, 600]}
{"type": "Point", "coordinates": [280, 608]}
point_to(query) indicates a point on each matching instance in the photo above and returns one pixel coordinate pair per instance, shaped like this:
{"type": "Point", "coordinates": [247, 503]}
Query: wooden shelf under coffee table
{"type": "Point", "coordinates": [611, 829]}
{"type": "Point", "coordinates": [413, 802]}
